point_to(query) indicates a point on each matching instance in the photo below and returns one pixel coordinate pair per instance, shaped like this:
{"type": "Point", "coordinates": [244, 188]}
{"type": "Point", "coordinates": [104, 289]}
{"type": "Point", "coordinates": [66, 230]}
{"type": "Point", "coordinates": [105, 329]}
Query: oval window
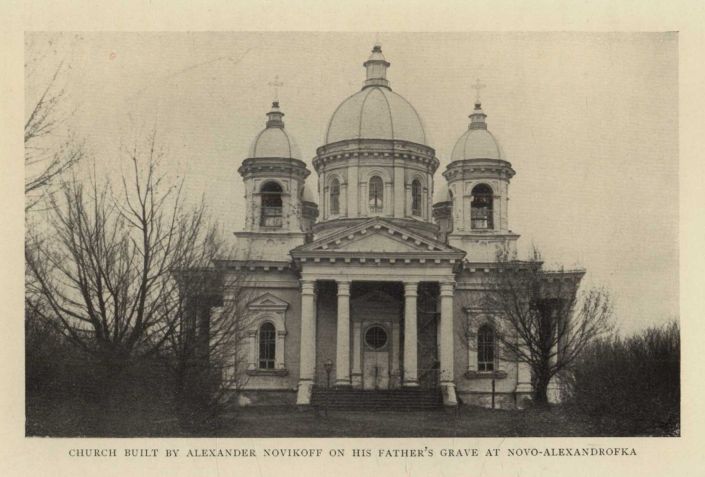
{"type": "Point", "coordinates": [376, 337]}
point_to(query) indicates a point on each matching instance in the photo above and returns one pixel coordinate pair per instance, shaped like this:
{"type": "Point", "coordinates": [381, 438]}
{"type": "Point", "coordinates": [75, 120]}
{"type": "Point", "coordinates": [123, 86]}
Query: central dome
{"type": "Point", "coordinates": [376, 112]}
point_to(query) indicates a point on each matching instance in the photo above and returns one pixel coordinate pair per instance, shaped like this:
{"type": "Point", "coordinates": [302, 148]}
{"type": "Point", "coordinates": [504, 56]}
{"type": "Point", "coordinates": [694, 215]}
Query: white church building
{"type": "Point", "coordinates": [362, 291]}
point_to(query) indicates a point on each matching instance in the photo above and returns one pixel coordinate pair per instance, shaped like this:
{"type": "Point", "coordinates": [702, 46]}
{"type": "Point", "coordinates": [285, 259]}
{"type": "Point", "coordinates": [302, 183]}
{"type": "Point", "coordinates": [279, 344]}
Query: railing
{"type": "Point", "coordinates": [481, 218]}
{"type": "Point", "coordinates": [271, 217]}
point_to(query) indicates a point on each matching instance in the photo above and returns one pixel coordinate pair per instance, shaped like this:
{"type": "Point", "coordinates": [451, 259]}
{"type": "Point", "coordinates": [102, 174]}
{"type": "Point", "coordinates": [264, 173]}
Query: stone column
{"type": "Point", "coordinates": [307, 360]}
{"type": "Point", "coordinates": [363, 200]}
{"type": "Point", "coordinates": [342, 348]}
{"type": "Point", "coordinates": [410, 332]}
{"type": "Point", "coordinates": [356, 377]}
{"type": "Point", "coordinates": [396, 378]}
{"type": "Point", "coordinates": [388, 205]}
{"type": "Point", "coordinates": [399, 188]}
{"type": "Point", "coordinates": [252, 361]}
{"type": "Point", "coordinates": [279, 350]}
{"type": "Point", "coordinates": [352, 201]}
{"type": "Point", "coordinates": [446, 341]}
{"type": "Point", "coordinates": [343, 200]}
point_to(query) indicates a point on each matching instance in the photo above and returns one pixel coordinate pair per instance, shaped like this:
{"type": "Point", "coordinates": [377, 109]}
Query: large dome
{"type": "Point", "coordinates": [376, 112]}
{"type": "Point", "coordinates": [477, 142]}
{"type": "Point", "coordinates": [274, 141]}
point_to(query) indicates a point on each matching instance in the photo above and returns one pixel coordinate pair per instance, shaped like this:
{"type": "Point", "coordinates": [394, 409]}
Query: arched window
{"type": "Point", "coordinates": [416, 197]}
{"type": "Point", "coordinates": [376, 195]}
{"type": "Point", "coordinates": [486, 348]}
{"type": "Point", "coordinates": [267, 346]}
{"type": "Point", "coordinates": [481, 207]}
{"type": "Point", "coordinates": [334, 197]}
{"type": "Point", "coordinates": [271, 205]}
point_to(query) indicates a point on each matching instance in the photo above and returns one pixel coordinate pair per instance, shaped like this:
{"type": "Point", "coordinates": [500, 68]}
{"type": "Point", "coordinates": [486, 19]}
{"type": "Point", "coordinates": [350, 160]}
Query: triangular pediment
{"type": "Point", "coordinates": [268, 301]}
{"type": "Point", "coordinates": [377, 236]}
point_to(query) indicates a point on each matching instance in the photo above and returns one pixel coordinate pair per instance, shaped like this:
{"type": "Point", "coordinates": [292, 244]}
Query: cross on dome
{"type": "Point", "coordinates": [276, 84]}
{"type": "Point", "coordinates": [477, 86]}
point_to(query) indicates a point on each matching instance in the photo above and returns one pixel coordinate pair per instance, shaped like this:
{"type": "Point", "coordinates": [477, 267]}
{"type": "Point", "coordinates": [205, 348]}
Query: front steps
{"type": "Point", "coordinates": [404, 399]}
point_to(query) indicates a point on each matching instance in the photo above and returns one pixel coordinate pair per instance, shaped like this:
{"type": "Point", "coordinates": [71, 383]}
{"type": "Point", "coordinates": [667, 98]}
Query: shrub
{"type": "Point", "coordinates": [629, 386]}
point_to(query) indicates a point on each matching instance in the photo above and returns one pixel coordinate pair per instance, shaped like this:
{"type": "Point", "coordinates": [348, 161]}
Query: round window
{"type": "Point", "coordinates": [376, 337]}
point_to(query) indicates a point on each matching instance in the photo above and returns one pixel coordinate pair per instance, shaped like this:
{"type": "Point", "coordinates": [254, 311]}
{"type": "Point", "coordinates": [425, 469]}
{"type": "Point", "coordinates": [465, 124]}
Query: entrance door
{"type": "Point", "coordinates": [376, 343]}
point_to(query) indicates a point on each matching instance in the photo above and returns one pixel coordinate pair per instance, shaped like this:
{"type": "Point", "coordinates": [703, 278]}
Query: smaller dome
{"type": "Point", "coordinates": [442, 193]}
{"type": "Point", "coordinates": [308, 195]}
{"type": "Point", "coordinates": [273, 141]}
{"type": "Point", "coordinates": [477, 142]}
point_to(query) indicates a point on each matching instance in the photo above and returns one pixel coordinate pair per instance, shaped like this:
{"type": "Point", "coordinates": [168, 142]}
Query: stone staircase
{"type": "Point", "coordinates": [404, 399]}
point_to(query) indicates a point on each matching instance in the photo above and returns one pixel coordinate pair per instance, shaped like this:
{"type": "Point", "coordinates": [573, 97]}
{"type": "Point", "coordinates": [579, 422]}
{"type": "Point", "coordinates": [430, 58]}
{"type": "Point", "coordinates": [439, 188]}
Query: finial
{"type": "Point", "coordinates": [276, 84]}
{"type": "Point", "coordinates": [477, 87]}
{"type": "Point", "coordinates": [378, 44]}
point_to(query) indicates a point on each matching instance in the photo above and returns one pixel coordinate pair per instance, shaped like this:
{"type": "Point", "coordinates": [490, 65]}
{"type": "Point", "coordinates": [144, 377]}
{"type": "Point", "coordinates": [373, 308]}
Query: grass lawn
{"type": "Point", "coordinates": [465, 422]}
{"type": "Point", "coordinates": [74, 419]}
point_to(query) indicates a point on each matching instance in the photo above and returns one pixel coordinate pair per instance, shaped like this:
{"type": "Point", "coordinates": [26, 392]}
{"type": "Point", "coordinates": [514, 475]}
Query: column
{"type": "Point", "coordinates": [472, 351]}
{"type": "Point", "coordinates": [446, 340]}
{"type": "Point", "coordinates": [352, 199]}
{"type": "Point", "coordinates": [307, 359]}
{"type": "Point", "coordinates": [252, 358]}
{"type": "Point", "coordinates": [396, 378]}
{"type": "Point", "coordinates": [279, 350]}
{"type": "Point", "coordinates": [410, 332]}
{"type": "Point", "coordinates": [356, 357]}
{"type": "Point", "coordinates": [363, 200]}
{"type": "Point", "coordinates": [343, 200]}
{"type": "Point", "coordinates": [399, 188]}
{"type": "Point", "coordinates": [388, 205]}
{"type": "Point", "coordinates": [342, 345]}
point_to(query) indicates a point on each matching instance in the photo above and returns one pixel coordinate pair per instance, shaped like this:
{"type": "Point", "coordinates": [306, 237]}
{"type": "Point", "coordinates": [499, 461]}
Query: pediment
{"type": "Point", "coordinates": [268, 302]}
{"type": "Point", "coordinates": [377, 236]}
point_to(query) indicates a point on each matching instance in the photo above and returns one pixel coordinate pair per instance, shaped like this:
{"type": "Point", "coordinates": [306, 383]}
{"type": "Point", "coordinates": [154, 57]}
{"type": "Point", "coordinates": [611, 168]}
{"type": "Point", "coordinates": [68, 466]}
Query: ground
{"type": "Point", "coordinates": [67, 421]}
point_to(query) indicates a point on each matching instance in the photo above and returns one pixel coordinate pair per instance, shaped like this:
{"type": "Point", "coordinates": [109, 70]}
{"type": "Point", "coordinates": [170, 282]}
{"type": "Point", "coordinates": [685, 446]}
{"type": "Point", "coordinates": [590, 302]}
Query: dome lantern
{"type": "Point", "coordinates": [275, 116]}
{"type": "Point", "coordinates": [477, 118]}
{"type": "Point", "coordinates": [376, 66]}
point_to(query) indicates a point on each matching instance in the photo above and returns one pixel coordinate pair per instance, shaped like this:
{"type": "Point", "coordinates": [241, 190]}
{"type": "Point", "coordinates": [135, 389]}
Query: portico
{"type": "Point", "coordinates": [377, 347]}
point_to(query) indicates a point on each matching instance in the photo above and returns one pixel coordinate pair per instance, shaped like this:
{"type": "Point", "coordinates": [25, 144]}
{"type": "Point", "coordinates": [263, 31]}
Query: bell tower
{"type": "Point", "coordinates": [276, 219]}
{"type": "Point", "coordinates": [476, 204]}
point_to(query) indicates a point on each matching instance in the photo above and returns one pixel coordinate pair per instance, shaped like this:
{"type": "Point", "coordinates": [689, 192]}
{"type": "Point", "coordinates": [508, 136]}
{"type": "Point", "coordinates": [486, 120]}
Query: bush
{"type": "Point", "coordinates": [629, 386]}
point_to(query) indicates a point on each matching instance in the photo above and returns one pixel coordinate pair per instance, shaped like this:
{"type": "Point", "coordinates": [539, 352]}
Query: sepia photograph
{"type": "Point", "coordinates": [351, 234]}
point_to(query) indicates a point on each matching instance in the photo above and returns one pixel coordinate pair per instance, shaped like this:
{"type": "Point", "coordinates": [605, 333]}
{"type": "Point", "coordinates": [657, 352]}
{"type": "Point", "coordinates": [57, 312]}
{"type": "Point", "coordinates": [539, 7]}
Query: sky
{"type": "Point", "coordinates": [589, 122]}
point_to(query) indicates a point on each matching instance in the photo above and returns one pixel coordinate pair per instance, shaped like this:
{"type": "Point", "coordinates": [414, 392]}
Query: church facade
{"type": "Point", "coordinates": [374, 281]}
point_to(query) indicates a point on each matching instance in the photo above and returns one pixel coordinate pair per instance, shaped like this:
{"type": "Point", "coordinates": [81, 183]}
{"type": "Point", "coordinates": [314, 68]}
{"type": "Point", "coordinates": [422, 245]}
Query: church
{"type": "Point", "coordinates": [367, 289]}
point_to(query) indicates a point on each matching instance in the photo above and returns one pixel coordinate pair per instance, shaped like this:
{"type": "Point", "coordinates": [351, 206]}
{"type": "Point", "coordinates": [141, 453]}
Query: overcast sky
{"type": "Point", "coordinates": [588, 121]}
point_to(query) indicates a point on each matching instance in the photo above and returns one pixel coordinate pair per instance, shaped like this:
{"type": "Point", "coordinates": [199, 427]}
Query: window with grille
{"type": "Point", "coordinates": [335, 197]}
{"type": "Point", "coordinates": [271, 195]}
{"type": "Point", "coordinates": [416, 198]}
{"type": "Point", "coordinates": [486, 347]}
{"type": "Point", "coordinates": [376, 195]}
{"type": "Point", "coordinates": [267, 346]}
{"type": "Point", "coordinates": [481, 216]}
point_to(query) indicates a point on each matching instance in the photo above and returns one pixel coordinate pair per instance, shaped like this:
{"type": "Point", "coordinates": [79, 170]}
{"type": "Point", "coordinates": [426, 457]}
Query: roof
{"type": "Point", "coordinates": [376, 112]}
{"type": "Point", "coordinates": [274, 142]}
{"type": "Point", "coordinates": [477, 144]}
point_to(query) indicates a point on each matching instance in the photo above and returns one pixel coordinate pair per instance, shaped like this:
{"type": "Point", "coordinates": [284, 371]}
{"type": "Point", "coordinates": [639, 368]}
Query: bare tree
{"type": "Point", "coordinates": [104, 271]}
{"type": "Point", "coordinates": [207, 352]}
{"type": "Point", "coordinates": [541, 318]}
{"type": "Point", "coordinates": [48, 152]}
